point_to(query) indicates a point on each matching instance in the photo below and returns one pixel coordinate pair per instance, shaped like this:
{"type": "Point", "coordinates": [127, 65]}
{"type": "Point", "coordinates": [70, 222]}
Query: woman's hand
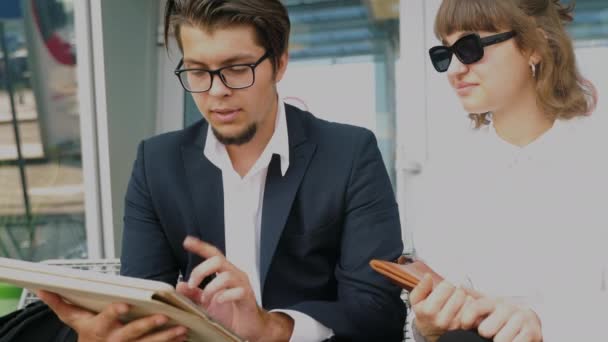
{"type": "Point", "coordinates": [437, 309]}
{"type": "Point", "coordinates": [501, 321]}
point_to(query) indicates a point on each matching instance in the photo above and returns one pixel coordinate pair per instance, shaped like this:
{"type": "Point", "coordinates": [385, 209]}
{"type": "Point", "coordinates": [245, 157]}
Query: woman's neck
{"type": "Point", "coordinates": [521, 123]}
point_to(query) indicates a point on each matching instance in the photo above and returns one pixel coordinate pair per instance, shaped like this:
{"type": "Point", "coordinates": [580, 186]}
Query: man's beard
{"type": "Point", "coordinates": [240, 139]}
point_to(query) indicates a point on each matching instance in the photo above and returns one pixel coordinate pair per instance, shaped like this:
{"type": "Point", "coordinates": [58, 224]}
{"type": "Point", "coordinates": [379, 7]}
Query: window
{"type": "Point", "coordinates": [343, 65]}
{"type": "Point", "coordinates": [590, 32]}
{"type": "Point", "coordinates": [41, 179]}
{"type": "Point", "coordinates": [590, 22]}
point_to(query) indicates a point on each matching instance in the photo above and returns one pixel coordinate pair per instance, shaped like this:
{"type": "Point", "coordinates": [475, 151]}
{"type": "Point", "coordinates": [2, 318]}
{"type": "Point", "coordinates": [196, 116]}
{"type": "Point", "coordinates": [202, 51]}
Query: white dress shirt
{"type": "Point", "coordinates": [527, 224]}
{"type": "Point", "coordinates": [243, 202]}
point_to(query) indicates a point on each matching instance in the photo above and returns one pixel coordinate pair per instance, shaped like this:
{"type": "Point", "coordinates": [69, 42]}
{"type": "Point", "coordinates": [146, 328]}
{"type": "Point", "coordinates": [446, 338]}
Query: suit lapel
{"type": "Point", "coordinates": [204, 183]}
{"type": "Point", "coordinates": [280, 191]}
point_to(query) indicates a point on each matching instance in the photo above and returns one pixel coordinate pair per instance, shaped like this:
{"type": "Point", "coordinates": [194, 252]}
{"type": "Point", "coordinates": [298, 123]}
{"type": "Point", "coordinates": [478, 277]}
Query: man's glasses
{"type": "Point", "coordinates": [238, 76]}
{"type": "Point", "coordinates": [468, 49]}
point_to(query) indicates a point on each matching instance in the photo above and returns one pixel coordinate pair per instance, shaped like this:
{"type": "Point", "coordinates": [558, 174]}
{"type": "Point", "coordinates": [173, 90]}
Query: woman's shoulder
{"type": "Point", "coordinates": [583, 143]}
{"type": "Point", "coordinates": [584, 133]}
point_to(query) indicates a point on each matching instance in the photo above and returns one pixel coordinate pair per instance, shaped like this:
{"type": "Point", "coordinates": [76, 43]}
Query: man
{"type": "Point", "coordinates": [271, 214]}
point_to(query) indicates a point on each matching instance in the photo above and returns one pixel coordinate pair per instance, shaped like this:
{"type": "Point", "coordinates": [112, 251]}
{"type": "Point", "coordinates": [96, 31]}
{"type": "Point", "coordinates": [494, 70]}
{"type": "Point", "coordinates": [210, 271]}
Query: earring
{"type": "Point", "coordinates": [533, 67]}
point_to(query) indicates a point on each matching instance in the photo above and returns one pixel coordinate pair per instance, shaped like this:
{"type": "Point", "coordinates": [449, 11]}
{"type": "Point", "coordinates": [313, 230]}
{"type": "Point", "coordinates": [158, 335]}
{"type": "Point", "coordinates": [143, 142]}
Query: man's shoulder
{"type": "Point", "coordinates": [322, 130]}
{"type": "Point", "coordinates": [175, 139]}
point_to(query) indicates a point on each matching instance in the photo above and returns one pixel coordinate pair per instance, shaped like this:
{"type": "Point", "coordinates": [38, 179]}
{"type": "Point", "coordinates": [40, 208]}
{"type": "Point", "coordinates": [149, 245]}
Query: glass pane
{"type": "Point", "coordinates": [343, 63]}
{"type": "Point", "coordinates": [590, 31]}
{"type": "Point", "coordinates": [41, 188]}
{"type": "Point", "coordinates": [590, 21]}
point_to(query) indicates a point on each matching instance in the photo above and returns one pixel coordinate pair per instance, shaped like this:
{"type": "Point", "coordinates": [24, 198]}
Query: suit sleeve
{"type": "Point", "coordinates": [369, 307]}
{"type": "Point", "coordinates": [145, 248]}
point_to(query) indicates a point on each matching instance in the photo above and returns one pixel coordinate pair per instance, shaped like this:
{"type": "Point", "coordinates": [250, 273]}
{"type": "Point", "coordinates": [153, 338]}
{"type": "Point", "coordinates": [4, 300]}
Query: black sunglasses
{"type": "Point", "coordinates": [468, 49]}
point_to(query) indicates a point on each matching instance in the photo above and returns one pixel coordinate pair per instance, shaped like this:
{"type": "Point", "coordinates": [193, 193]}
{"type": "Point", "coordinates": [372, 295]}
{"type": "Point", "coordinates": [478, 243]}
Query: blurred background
{"type": "Point", "coordinates": [83, 81]}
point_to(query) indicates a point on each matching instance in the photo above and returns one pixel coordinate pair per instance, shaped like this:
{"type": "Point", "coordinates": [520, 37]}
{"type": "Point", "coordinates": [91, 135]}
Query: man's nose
{"type": "Point", "coordinates": [218, 88]}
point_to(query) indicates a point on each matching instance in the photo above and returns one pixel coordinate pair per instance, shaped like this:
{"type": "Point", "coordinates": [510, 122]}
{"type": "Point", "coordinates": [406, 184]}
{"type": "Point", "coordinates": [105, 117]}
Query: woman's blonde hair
{"type": "Point", "coordinates": [539, 25]}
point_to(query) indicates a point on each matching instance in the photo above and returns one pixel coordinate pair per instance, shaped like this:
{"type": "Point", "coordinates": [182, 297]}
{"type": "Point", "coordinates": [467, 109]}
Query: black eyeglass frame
{"type": "Point", "coordinates": [218, 72]}
{"type": "Point", "coordinates": [480, 44]}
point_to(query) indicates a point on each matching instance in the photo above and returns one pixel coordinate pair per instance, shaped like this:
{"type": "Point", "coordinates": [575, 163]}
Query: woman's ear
{"type": "Point", "coordinates": [535, 55]}
{"type": "Point", "coordinates": [535, 58]}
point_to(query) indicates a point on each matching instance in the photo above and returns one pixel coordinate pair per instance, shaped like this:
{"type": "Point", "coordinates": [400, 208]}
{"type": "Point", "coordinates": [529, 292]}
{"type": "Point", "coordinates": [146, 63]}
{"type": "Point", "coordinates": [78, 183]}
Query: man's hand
{"type": "Point", "coordinates": [501, 321]}
{"type": "Point", "coordinates": [229, 298]}
{"type": "Point", "coordinates": [106, 325]}
{"type": "Point", "coordinates": [437, 309]}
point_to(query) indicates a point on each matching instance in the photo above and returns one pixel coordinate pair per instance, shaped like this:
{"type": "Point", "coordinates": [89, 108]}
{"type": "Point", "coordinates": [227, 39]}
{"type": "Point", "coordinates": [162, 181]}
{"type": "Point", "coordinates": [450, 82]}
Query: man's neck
{"type": "Point", "coordinates": [243, 157]}
{"type": "Point", "coordinates": [522, 123]}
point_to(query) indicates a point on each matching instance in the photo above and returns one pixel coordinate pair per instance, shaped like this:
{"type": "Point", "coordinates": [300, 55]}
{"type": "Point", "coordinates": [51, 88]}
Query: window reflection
{"type": "Point", "coordinates": [590, 31]}
{"type": "Point", "coordinates": [343, 64]}
{"type": "Point", "coordinates": [41, 182]}
{"type": "Point", "coordinates": [590, 22]}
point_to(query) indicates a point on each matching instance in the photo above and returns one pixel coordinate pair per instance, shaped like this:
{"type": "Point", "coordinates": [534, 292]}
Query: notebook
{"type": "Point", "coordinates": [94, 291]}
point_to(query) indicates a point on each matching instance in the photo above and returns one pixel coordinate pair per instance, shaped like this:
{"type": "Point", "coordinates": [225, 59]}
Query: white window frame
{"type": "Point", "coordinates": [89, 100]}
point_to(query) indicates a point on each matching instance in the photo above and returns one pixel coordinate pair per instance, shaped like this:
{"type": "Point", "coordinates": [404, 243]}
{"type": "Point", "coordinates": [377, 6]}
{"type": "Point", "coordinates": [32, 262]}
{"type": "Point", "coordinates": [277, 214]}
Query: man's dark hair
{"type": "Point", "coordinates": [268, 17]}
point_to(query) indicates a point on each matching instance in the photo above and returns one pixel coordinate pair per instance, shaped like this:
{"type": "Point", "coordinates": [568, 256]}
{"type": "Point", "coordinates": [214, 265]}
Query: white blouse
{"type": "Point", "coordinates": [529, 224]}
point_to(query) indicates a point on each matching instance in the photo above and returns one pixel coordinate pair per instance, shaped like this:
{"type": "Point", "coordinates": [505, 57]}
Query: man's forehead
{"type": "Point", "coordinates": [219, 45]}
{"type": "Point", "coordinates": [242, 35]}
{"type": "Point", "coordinates": [207, 59]}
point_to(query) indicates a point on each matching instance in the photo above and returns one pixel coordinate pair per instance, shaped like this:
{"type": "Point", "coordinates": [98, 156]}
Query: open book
{"type": "Point", "coordinates": [94, 291]}
{"type": "Point", "coordinates": [406, 274]}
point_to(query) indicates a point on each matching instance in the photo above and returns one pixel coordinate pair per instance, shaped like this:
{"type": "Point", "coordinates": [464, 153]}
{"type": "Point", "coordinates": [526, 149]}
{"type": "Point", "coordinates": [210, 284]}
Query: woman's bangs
{"type": "Point", "coordinates": [470, 16]}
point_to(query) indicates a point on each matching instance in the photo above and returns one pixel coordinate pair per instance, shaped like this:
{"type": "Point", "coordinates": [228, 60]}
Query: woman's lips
{"type": "Point", "coordinates": [464, 89]}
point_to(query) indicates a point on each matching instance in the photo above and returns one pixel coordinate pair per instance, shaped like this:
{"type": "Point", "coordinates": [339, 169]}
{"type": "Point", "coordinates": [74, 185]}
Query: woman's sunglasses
{"type": "Point", "coordinates": [468, 49]}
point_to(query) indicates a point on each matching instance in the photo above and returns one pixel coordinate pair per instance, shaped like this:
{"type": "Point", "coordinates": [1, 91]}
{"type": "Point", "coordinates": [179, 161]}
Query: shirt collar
{"type": "Point", "coordinates": [278, 144]}
{"type": "Point", "coordinates": [548, 138]}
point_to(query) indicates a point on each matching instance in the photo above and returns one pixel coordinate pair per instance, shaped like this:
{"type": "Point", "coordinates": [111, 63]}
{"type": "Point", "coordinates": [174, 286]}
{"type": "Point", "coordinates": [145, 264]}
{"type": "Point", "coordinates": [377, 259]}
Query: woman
{"type": "Point", "coordinates": [517, 224]}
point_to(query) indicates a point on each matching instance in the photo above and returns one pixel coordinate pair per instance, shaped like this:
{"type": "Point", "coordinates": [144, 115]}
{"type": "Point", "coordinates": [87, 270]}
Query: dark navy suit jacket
{"type": "Point", "coordinates": [332, 212]}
